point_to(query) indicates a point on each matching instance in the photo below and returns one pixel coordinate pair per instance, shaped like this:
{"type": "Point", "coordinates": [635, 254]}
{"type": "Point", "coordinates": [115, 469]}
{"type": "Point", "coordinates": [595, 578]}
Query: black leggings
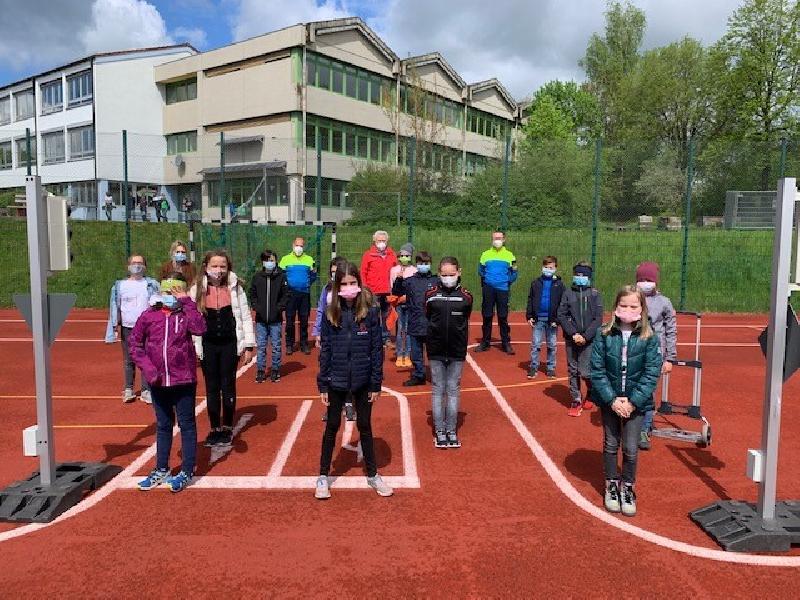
{"type": "Point", "coordinates": [337, 399]}
{"type": "Point", "coordinates": [219, 369]}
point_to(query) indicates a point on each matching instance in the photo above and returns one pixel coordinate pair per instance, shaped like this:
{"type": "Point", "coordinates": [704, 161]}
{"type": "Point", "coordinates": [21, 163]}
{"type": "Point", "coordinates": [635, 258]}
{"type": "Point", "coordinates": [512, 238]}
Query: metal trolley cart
{"type": "Point", "coordinates": [703, 437]}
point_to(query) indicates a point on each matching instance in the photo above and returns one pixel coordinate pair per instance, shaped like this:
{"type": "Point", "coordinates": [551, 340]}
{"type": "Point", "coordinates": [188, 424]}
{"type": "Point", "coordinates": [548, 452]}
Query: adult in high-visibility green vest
{"type": "Point", "coordinates": [498, 271]}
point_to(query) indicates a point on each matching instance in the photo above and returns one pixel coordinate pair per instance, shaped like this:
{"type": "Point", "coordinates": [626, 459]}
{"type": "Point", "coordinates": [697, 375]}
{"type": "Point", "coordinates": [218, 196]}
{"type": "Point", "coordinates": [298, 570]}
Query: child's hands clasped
{"type": "Point", "coordinates": [623, 407]}
{"type": "Point", "coordinates": [579, 339]}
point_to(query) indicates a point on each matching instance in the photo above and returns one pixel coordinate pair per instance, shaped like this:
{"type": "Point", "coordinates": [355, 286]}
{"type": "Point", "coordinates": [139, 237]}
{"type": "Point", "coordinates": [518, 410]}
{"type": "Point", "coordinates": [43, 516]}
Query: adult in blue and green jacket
{"type": "Point", "coordinates": [498, 271]}
{"type": "Point", "coordinates": [300, 274]}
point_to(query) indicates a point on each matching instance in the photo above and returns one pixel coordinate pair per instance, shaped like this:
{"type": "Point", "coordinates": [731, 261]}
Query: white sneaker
{"type": "Point", "coordinates": [146, 397]}
{"type": "Point", "coordinates": [628, 500]}
{"type": "Point", "coordinates": [379, 485]}
{"type": "Point", "coordinates": [128, 396]}
{"type": "Point", "coordinates": [323, 490]}
{"type": "Point", "coordinates": [612, 499]}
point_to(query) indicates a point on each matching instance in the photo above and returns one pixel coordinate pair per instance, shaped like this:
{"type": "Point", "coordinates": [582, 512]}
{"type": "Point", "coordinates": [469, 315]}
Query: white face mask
{"type": "Point", "coordinates": [449, 281]}
{"type": "Point", "coordinates": [381, 246]}
{"type": "Point", "coordinates": [497, 243]}
{"type": "Point", "coordinates": [298, 250]}
{"type": "Point", "coordinates": [646, 287]}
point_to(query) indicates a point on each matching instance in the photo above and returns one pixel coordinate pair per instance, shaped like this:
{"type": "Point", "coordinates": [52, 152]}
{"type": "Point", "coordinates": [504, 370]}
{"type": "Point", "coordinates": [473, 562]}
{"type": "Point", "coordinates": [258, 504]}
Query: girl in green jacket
{"type": "Point", "coordinates": [625, 366]}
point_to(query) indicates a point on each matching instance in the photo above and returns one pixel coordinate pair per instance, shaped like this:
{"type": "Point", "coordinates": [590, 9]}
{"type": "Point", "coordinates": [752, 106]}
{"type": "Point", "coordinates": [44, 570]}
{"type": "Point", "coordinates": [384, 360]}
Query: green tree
{"type": "Point", "coordinates": [662, 184]}
{"type": "Point", "coordinates": [546, 121]}
{"type": "Point", "coordinates": [574, 101]}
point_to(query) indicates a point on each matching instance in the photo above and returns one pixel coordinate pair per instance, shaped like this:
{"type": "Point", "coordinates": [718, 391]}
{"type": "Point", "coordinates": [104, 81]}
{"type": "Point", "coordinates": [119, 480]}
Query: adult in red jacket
{"type": "Point", "coordinates": [376, 264]}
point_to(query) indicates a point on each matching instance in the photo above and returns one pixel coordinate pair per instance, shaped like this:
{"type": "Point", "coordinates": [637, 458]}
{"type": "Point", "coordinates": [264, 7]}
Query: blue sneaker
{"type": "Point", "coordinates": [155, 479]}
{"type": "Point", "coordinates": [179, 481]}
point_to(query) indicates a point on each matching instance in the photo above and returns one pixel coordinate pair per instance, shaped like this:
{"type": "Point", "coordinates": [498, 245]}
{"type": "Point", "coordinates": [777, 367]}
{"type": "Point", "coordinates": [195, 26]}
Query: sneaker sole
{"type": "Point", "coordinates": [322, 496]}
{"type": "Point", "coordinates": [456, 445]}
{"type": "Point", "coordinates": [383, 494]}
{"type": "Point", "coordinates": [613, 509]}
{"type": "Point", "coordinates": [438, 445]}
{"type": "Point", "coordinates": [628, 513]}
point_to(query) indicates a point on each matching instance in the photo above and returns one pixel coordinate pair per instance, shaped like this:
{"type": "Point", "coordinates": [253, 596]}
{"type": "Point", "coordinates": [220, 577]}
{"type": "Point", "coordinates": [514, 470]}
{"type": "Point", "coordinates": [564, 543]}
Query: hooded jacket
{"type": "Point", "coordinates": [161, 344]}
{"type": "Point", "coordinates": [662, 316]}
{"type": "Point", "coordinates": [414, 289]}
{"type": "Point", "coordinates": [245, 334]}
{"type": "Point", "coordinates": [448, 311]}
{"type": "Point", "coordinates": [580, 311]}
{"type": "Point", "coordinates": [269, 293]}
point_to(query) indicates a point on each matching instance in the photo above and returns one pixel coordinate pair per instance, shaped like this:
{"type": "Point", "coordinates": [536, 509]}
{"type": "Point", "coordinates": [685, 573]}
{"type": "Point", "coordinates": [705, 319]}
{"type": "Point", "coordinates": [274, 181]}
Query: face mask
{"type": "Point", "coordinates": [497, 243]}
{"type": "Point", "coordinates": [548, 271]}
{"type": "Point", "coordinates": [580, 280]}
{"type": "Point", "coordinates": [449, 281]}
{"type": "Point", "coordinates": [298, 250]}
{"type": "Point", "coordinates": [646, 287]}
{"type": "Point", "coordinates": [156, 299]}
{"type": "Point", "coordinates": [169, 301]}
{"type": "Point", "coordinates": [381, 246]}
{"type": "Point", "coordinates": [423, 268]}
{"type": "Point", "coordinates": [180, 257]}
{"type": "Point", "coordinates": [215, 275]}
{"type": "Point", "coordinates": [135, 269]}
{"type": "Point", "coordinates": [628, 315]}
{"type": "Point", "coordinates": [405, 260]}
{"type": "Point", "coordinates": [269, 265]}
{"type": "Point", "coordinates": [349, 292]}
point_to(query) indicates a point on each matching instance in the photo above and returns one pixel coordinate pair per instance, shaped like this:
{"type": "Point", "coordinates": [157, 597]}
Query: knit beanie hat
{"type": "Point", "coordinates": [582, 270]}
{"type": "Point", "coordinates": [647, 271]}
{"type": "Point", "coordinates": [407, 248]}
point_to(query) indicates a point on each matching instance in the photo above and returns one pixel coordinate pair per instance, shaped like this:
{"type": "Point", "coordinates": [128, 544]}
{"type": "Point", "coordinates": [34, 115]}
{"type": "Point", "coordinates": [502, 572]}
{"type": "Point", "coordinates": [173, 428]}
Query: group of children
{"type": "Point", "coordinates": [166, 327]}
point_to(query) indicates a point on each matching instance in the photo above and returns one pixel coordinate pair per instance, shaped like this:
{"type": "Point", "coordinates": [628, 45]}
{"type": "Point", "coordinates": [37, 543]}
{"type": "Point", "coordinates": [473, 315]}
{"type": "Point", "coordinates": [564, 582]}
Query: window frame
{"type": "Point", "coordinates": [181, 139]}
{"type": "Point", "coordinates": [4, 99]}
{"type": "Point", "coordinates": [84, 153]}
{"type": "Point", "coordinates": [29, 93]}
{"type": "Point", "coordinates": [44, 89]}
{"type": "Point", "coordinates": [86, 97]}
{"type": "Point", "coordinates": [51, 135]}
{"type": "Point", "coordinates": [22, 151]}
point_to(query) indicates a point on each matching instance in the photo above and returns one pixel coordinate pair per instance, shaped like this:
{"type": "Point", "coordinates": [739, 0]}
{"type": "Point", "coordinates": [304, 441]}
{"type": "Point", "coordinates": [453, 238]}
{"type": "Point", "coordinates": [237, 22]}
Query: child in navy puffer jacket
{"type": "Point", "coordinates": [350, 362]}
{"type": "Point", "coordinates": [161, 346]}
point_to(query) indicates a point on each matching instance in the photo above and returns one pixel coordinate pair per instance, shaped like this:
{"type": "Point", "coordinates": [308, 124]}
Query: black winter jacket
{"type": "Point", "coordinates": [448, 311]}
{"type": "Point", "coordinates": [269, 294]}
{"type": "Point", "coordinates": [580, 311]}
{"type": "Point", "coordinates": [414, 289]}
{"type": "Point", "coordinates": [535, 297]}
{"type": "Point", "coordinates": [351, 356]}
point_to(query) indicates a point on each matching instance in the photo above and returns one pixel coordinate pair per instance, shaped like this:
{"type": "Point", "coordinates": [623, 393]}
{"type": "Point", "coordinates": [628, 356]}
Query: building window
{"type": "Point", "coordinates": [53, 145]}
{"type": "Point", "coordinates": [81, 142]}
{"type": "Point", "coordinates": [82, 193]}
{"type": "Point", "coordinates": [335, 76]}
{"type": "Point", "coordinates": [24, 105]}
{"type": "Point", "coordinates": [22, 152]}
{"type": "Point", "coordinates": [80, 88]}
{"type": "Point", "coordinates": [5, 155]}
{"type": "Point", "coordinates": [251, 191]}
{"type": "Point", "coordinates": [181, 91]}
{"type": "Point", "coordinates": [5, 110]}
{"type": "Point", "coordinates": [179, 143]}
{"type": "Point", "coordinates": [332, 192]}
{"type": "Point", "coordinates": [351, 87]}
{"type": "Point", "coordinates": [52, 97]}
{"type": "Point", "coordinates": [358, 142]}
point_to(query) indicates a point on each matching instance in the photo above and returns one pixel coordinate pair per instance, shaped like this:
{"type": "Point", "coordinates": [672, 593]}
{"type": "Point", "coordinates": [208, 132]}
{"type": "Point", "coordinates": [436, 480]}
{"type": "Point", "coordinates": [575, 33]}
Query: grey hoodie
{"type": "Point", "coordinates": [662, 316]}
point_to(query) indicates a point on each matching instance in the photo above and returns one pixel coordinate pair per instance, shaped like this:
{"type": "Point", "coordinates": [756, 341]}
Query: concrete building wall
{"type": "Point", "coordinates": [353, 48]}
{"type": "Point", "coordinates": [434, 79]}
{"type": "Point", "coordinates": [491, 101]}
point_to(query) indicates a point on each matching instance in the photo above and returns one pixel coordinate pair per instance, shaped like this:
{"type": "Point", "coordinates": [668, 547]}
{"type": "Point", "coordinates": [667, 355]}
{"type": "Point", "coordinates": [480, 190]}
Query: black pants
{"type": "Point", "coordinates": [495, 298]}
{"type": "Point", "coordinates": [337, 399]}
{"type": "Point", "coordinates": [219, 369]}
{"type": "Point", "coordinates": [621, 432]}
{"type": "Point", "coordinates": [299, 304]}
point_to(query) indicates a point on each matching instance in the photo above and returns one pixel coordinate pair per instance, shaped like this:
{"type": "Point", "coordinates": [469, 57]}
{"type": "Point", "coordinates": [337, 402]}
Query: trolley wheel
{"type": "Point", "coordinates": [705, 435]}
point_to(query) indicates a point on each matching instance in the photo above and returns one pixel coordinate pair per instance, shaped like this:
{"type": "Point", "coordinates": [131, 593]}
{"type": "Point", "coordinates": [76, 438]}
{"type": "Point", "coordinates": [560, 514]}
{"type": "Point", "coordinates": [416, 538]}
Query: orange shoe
{"type": "Point", "coordinates": [575, 409]}
{"type": "Point", "coordinates": [400, 362]}
{"type": "Point", "coordinates": [408, 364]}
{"type": "Point", "coordinates": [588, 404]}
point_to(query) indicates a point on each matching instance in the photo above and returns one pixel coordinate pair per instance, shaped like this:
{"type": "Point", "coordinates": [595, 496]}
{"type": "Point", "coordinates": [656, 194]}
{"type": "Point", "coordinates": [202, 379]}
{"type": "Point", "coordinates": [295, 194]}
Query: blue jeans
{"type": "Point", "coordinates": [446, 379]}
{"type": "Point", "coordinates": [383, 302]}
{"type": "Point", "coordinates": [403, 339]}
{"type": "Point", "coordinates": [265, 333]}
{"type": "Point", "coordinates": [418, 356]}
{"type": "Point", "coordinates": [542, 329]}
{"type": "Point", "coordinates": [168, 402]}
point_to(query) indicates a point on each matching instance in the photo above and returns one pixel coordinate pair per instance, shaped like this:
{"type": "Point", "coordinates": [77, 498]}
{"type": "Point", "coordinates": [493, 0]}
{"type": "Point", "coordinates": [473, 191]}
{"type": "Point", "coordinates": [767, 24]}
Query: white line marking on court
{"type": "Point", "coordinates": [217, 452]}
{"type": "Point", "coordinates": [57, 340]}
{"type": "Point", "coordinates": [291, 437]}
{"type": "Point", "coordinates": [566, 488]}
{"type": "Point", "coordinates": [117, 483]}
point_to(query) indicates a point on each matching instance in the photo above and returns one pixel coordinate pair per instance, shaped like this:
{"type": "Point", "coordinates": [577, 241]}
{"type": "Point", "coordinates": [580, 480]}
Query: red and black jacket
{"type": "Point", "coordinates": [448, 311]}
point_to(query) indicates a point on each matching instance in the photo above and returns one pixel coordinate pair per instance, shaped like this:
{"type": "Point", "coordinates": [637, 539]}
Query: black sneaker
{"type": "Point", "coordinates": [275, 376]}
{"type": "Point", "coordinates": [261, 376]}
{"type": "Point", "coordinates": [413, 381]}
{"type": "Point", "coordinates": [225, 437]}
{"type": "Point", "coordinates": [440, 439]}
{"type": "Point", "coordinates": [212, 438]}
{"type": "Point", "coordinates": [349, 412]}
{"type": "Point", "coordinates": [452, 440]}
{"type": "Point", "coordinates": [482, 347]}
{"type": "Point", "coordinates": [508, 348]}
{"type": "Point", "coordinates": [532, 373]}
{"type": "Point", "coordinates": [289, 349]}
{"type": "Point", "coordinates": [305, 349]}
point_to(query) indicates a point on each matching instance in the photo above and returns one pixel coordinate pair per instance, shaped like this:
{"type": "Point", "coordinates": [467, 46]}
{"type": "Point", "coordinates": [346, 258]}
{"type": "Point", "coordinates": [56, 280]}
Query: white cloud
{"type": "Point", "coordinates": [254, 17]}
{"type": "Point", "coordinates": [120, 24]}
{"type": "Point", "coordinates": [195, 36]}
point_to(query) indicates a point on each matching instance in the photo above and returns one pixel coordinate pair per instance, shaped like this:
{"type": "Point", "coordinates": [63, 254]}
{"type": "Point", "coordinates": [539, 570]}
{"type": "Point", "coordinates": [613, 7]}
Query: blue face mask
{"type": "Point", "coordinates": [423, 268]}
{"type": "Point", "coordinates": [580, 280]}
{"type": "Point", "coordinates": [548, 271]}
{"type": "Point", "coordinates": [269, 265]}
{"type": "Point", "coordinates": [169, 301]}
{"type": "Point", "coordinates": [180, 257]}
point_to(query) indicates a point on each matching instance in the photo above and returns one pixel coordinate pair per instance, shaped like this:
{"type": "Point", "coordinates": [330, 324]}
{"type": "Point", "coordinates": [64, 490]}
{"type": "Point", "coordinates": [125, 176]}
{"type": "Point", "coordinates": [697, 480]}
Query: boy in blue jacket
{"type": "Point", "coordinates": [542, 315]}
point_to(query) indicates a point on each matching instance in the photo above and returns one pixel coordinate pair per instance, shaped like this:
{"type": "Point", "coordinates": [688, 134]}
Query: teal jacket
{"type": "Point", "coordinates": [642, 373]}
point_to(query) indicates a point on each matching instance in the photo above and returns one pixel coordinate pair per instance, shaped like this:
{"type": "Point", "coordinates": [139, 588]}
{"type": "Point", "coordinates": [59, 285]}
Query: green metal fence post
{"type": "Point", "coordinates": [318, 191]}
{"type": "Point", "coordinates": [412, 172]}
{"type": "Point", "coordinates": [598, 152]}
{"type": "Point", "coordinates": [504, 204]}
{"type": "Point", "coordinates": [784, 149]}
{"type": "Point", "coordinates": [28, 148]}
{"type": "Point", "coordinates": [687, 217]}
{"type": "Point", "coordinates": [223, 207]}
{"type": "Point", "coordinates": [125, 197]}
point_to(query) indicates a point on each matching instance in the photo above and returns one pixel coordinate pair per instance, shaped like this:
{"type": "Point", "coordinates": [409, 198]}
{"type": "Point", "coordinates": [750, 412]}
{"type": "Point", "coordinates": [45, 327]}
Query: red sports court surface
{"type": "Point", "coordinates": [515, 512]}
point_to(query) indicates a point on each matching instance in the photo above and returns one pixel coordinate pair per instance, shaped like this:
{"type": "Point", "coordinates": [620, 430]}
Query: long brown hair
{"type": "Point", "coordinates": [363, 301]}
{"type": "Point", "coordinates": [644, 329]}
{"type": "Point", "coordinates": [200, 291]}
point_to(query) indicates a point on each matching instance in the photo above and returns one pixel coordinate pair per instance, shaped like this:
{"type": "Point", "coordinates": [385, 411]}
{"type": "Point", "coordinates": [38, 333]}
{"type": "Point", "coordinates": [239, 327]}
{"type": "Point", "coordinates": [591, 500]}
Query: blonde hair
{"type": "Point", "coordinates": [175, 245]}
{"type": "Point", "coordinates": [644, 329]}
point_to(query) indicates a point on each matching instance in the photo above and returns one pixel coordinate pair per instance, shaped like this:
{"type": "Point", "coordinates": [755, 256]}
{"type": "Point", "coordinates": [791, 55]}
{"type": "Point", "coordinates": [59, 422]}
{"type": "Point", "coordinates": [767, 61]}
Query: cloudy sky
{"type": "Point", "coordinates": [522, 42]}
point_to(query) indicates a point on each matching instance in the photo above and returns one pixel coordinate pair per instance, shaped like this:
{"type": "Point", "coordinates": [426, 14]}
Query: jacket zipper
{"type": "Point", "coordinates": [269, 299]}
{"type": "Point", "coordinates": [166, 337]}
{"type": "Point", "coordinates": [349, 352]}
{"type": "Point", "coordinates": [447, 324]}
